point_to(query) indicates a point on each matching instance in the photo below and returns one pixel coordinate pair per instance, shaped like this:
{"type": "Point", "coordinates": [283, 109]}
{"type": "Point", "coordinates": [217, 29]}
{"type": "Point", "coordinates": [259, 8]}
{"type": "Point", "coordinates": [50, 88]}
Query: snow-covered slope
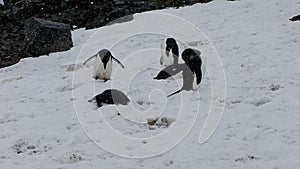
{"type": "Point", "coordinates": [260, 128]}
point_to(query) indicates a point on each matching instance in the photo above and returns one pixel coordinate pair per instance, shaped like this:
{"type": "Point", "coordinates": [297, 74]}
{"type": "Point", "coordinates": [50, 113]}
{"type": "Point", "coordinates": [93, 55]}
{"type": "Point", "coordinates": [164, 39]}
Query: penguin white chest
{"type": "Point", "coordinates": [195, 85]}
{"type": "Point", "coordinates": [101, 72]}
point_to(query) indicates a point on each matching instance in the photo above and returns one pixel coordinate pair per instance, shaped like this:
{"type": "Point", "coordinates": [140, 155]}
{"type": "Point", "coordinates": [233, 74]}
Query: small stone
{"type": "Point", "coordinates": [274, 87]}
{"type": "Point", "coordinates": [140, 102]}
{"type": "Point", "coordinates": [152, 121]}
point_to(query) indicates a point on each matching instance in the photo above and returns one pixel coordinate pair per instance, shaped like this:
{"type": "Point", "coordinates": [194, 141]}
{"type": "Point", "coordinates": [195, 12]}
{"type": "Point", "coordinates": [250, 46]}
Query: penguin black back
{"type": "Point", "coordinates": [192, 58]}
{"type": "Point", "coordinates": [110, 96]}
{"type": "Point", "coordinates": [295, 18]}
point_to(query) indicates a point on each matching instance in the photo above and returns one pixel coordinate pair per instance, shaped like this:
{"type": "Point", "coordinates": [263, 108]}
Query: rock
{"type": "Point", "coordinates": [77, 13]}
{"type": "Point", "coordinates": [43, 37]}
{"type": "Point", "coordinates": [9, 60]}
{"type": "Point", "coordinates": [96, 22]}
{"type": "Point", "coordinates": [274, 87]}
{"type": "Point", "coordinates": [160, 122]}
{"type": "Point", "coordinates": [152, 121]}
{"type": "Point", "coordinates": [126, 18]}
{"type": "Point", "coordinates": [117, 13]}
{"type": "Point", "coordinates": [10, 43]}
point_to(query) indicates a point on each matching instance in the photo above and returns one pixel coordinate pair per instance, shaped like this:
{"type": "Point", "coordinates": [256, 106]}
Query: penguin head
{"type": "Point", "coordinates": [104, 53]}
{"type": "Point", "coordinates": [189, 55]}
{"type": "Point", "coordinates": [171, 45]}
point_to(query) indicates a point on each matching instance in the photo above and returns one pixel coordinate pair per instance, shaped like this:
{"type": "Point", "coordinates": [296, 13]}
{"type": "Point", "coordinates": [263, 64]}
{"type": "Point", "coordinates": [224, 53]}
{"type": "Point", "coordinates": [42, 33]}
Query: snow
{"type": "Point", "coordinates": [47, 122]}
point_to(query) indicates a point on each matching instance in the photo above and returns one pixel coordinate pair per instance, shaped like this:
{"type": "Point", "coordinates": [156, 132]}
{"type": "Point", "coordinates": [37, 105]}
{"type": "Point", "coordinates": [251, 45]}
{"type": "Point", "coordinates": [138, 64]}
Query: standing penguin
{"type": "Point", "coordinates": [103, 64]}
{"type": "Point", "coordinates": [169, 52]}
{"type": "Point", "coordinates": [191, 72]}
{"type": "Point", "coordinates": [193, 60]}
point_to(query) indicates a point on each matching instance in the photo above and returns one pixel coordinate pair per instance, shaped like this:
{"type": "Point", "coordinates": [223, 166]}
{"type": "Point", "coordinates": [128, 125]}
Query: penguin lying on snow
{"type": "Point", "coordinates": [191, 70]}
{"type": "Point", "coordinates": [295, 18]}
{"type": "Point", "coordinates": [103, 64]}
{"type": "Point", "coordinates": [169, 52]}
{"type": "Point", "coordinates": [110, 96]}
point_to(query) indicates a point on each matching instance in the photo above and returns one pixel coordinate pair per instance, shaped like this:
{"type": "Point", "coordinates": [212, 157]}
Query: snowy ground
{"type": "Point", "coordinates": [260, 128]}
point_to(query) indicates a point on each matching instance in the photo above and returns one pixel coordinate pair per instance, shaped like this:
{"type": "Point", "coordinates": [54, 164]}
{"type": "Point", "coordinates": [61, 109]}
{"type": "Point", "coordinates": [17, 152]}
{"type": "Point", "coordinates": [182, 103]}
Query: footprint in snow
{"type": "Point", "coordinates": [73, 158]}
{"type": "Point", "coordinates": [23, 147]}
{"type": "Point", "coordinates": [260, 102]}
{"type": "Point", "coordinates": [71, 67]}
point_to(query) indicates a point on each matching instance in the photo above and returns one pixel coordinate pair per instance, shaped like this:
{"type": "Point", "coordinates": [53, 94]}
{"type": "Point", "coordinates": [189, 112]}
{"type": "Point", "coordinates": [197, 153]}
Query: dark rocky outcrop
{"type": "Point", "coordinates": [76, 13]}
{"type": "Point", "coordinates": [43, 37]}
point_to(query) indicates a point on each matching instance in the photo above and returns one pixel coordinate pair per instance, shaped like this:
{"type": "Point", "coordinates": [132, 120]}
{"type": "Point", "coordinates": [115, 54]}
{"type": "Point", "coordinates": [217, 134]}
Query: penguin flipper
{"type": "Point", "coordinates": [118, 62]}
{"type": "Point", "coordinates": [89, 59]}
{"type": "Point", "coordinates": [178, 91]}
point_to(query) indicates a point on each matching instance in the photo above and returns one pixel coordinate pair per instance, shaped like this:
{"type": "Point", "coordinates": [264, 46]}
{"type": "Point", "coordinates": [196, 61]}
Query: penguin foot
{"type": "Point", "coordinates": [95, 77]}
